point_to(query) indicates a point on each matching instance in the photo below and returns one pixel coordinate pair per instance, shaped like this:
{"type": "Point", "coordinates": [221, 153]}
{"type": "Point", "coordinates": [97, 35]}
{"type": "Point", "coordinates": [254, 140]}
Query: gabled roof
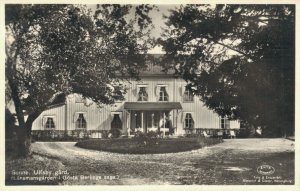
{"type": "Point", "coordinates": [154, 66]}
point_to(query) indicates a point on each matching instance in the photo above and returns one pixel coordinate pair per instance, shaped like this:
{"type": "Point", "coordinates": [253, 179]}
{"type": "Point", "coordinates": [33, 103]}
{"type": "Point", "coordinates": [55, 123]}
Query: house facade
{"type": "Point", "coordinates": [159, 101]}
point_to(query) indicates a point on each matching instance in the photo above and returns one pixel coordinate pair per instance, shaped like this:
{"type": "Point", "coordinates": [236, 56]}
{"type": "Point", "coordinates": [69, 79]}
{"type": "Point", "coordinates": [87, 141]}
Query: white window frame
{"type": "Point", "coordinates": [76, 116]}
{"type": "Point", "coordinates": [190, 94]}
{"type": "Point", "coordinates": [158, 88]}
{"type": "Point", "coordinates": [184, 117]}
{"type": "Point", "coordinates": [226, 123]}
{"type": "Point", "coordinates": [139, 86]}
{"type": "Point", "coordinates": [45, 119]}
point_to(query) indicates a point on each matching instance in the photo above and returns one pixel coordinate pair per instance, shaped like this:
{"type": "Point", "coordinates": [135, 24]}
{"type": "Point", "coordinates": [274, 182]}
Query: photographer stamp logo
{"type": "Point", "coordinates": [265, 170]}
{"type": "Point", "coordinates": [267, 176]}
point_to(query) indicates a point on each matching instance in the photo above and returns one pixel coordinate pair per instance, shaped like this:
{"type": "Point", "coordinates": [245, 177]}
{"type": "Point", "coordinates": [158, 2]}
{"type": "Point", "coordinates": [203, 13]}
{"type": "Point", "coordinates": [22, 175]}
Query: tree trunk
{"type": "Point", "coordinates": [23, 141]}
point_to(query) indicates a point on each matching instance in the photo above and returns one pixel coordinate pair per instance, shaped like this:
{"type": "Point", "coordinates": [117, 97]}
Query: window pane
{"type": "Point", "coordinates": [188, 96]}
{"type": "Point", "coordinates": [189, 122]}
{"type": "Point", "coordinates": [163, 95]}
{"type": "Point", "coordinates": [142, 95]}
{"type": "Point", "coordinates": [225, 123]}
{"type": "Point", "coordinates": [81, 122]}
{"type": "Point", "coordinates": [50, 123]}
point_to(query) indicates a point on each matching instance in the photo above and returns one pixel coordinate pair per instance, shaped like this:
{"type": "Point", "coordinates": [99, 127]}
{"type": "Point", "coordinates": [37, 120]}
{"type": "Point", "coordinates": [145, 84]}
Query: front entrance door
{"type": "Point", "coordinates": [149, 121]}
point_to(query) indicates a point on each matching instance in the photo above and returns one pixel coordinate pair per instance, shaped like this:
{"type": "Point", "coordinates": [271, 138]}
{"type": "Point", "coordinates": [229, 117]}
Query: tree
{"type": "Point", "coordinates": [240, 60]}
{"type": "Point", "coordinates": [54, 50]}
{"type": "Point", "coordinates": [9, 124]}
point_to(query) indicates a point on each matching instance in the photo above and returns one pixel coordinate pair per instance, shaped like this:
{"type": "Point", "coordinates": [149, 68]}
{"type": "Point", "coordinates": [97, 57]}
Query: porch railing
{"type": "Point", "coordinates": [211, 132]}
{"type": "Point", "coordinates": [70, 135]}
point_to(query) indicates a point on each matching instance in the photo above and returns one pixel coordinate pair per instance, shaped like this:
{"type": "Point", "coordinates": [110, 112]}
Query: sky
{"type": "Point", "coordinates": [157, 17]}
{"type": "Point", "coordinates": [158, 22]}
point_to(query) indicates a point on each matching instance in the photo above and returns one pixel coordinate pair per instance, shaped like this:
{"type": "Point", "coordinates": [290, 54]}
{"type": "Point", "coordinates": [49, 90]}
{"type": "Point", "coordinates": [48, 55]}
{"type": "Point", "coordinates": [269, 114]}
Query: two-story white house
{"type": "Point", "coordinates": [159, 101]}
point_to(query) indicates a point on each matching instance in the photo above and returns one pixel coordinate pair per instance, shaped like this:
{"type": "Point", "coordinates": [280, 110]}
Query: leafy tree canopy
{"type": "Point", "coordinates": [64, 49]}
{"type": "Point", "coordinates": [239, 59]}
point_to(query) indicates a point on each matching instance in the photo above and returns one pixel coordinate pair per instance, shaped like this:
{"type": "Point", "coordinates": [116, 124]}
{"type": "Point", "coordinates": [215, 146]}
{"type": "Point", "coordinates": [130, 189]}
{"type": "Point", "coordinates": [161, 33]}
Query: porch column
{"type": "Point", "coordinates": [152, 120]}
{"type": "Point", "coordinates": [135, 121]}
{"type": "Point", "coordinates": [128, 122]}
{"type": "Point", "coordinates": [159, 121]}
{"type": "Point", "coordinates": [142, 121]}
{"type": "Point", "coordinates": [164, 124]}
{"type": "Point", "coordinates": [176, 121]}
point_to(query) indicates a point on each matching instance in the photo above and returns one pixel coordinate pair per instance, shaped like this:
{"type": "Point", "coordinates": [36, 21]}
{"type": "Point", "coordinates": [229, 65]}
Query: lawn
{"type": "Point", "coordinates": [231, 168]}
{"type": "Point", "coordinates": [232, 162]}
{"type": "Point", "coordinates": [155, 146]}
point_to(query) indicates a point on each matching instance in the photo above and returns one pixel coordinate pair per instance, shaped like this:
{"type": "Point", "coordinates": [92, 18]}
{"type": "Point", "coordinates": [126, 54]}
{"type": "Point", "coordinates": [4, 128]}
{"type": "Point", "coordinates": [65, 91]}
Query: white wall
{"type": "Point", "coordinates": [99, 118]}
{"type": "Point", "coordinates": [57, 112]}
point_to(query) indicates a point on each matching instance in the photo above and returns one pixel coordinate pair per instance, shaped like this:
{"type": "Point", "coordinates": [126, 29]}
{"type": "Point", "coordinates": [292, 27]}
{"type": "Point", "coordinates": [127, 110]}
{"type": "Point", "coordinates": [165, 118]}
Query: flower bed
{"type": "Point", "coordinates": [136, 146]}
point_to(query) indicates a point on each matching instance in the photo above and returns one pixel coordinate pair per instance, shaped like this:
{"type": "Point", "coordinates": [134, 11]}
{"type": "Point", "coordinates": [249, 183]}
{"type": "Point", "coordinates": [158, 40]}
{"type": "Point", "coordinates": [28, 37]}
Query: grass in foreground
{"type": "Point", "coordinates": [219, 165]}
{"type": "Point", "coordinates": [29, 165]}
{"type": "Point", "coordinates": [133, 146]}
{"type": "Point", "coordinates": [212, 168]}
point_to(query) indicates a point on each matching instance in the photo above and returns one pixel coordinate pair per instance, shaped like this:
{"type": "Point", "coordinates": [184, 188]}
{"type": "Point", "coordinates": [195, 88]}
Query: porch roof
{"type": "Point", "coordinates": [152, 105]}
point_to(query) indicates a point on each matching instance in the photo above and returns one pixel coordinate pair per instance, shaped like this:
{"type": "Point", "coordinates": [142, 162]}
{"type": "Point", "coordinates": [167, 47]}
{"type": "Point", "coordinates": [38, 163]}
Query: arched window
{"type": "Point", "coordinates": [81, 122]}
{"type": "Point", "coordinates": [50, 123]}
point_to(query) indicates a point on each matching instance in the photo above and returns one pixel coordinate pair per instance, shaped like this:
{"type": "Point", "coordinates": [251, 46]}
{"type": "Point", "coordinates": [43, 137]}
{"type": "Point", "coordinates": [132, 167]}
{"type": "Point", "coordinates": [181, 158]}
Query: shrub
{"type": "Point", "coordinates": [148, 135]}
{"type": "Point", "coordinates": [171, 130]}
{"type": "Point", "coordinates": [139, 134]}
{"type": "Point", "coordinates": [147, 139]}
{"type": "Point", "coordinates": [153, 134]}
{"type": "Point", "coordinates": [132, 146]}
{"type": "Point", "coordinates": [115, 132]}
{"type": "Point", "coordinates": [193, 135]}
{"type": "Point", "coordinates": [104, 134]}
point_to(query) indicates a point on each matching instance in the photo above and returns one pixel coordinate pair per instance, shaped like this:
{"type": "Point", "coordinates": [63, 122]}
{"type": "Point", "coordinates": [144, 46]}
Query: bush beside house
{"type": "Point", "coordinates": [149, 143]}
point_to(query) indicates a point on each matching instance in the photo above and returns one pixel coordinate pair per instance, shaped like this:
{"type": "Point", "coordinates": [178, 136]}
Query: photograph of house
{"type": "Point", "coordinates": [159, 101]}
{"type": "Point", "coordinates": [150, 94]}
